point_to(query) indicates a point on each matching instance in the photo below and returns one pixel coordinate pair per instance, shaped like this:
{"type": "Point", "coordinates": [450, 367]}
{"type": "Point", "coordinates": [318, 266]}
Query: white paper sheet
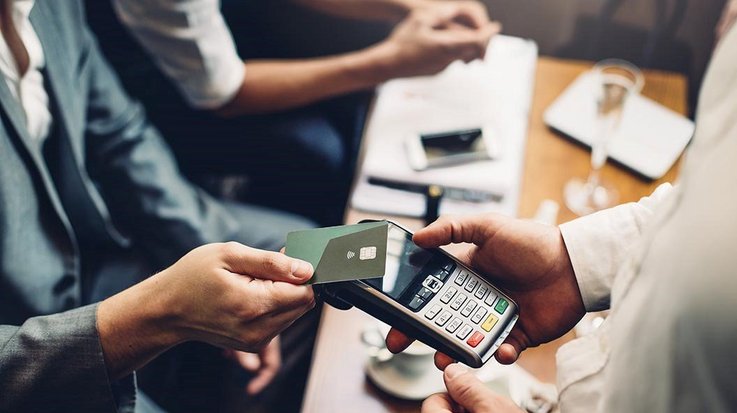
{"type": "Point", "coordinates": [495, 93]}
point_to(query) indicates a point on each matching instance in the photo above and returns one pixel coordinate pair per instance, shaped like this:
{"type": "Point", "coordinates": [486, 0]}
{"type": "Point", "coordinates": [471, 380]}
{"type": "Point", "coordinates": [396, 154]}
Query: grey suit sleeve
{"type": "Point", "coordinates": [137, 174]}
{"type": "Point", "coordinates": [55, 364]}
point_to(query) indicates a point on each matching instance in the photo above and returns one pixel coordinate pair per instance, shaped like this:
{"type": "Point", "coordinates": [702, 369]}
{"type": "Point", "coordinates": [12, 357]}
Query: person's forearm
{"type": "Point", "coordinates": [135, 326]}
{"type": "Point", "coordinates": [273, 85]}
{"type": "Point", "coordinates": [386, 10]}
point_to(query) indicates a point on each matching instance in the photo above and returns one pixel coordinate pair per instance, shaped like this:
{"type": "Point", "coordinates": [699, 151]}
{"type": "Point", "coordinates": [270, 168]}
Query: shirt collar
{"type": "Point", "coordinates": [23, 7]}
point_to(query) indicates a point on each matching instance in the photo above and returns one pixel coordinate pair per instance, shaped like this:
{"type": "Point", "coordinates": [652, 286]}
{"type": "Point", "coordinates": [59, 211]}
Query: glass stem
{"type": "Point", "coordinates": [593, 180]}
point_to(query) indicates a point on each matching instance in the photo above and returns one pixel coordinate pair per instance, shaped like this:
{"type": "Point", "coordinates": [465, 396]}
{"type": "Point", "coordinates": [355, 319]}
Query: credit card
{"type": "Point", "coordinates": [342, 253]}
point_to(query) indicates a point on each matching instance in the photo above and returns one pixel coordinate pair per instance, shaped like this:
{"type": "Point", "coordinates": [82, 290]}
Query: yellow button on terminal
{"type": "Point", "coordinates": [490, 322]}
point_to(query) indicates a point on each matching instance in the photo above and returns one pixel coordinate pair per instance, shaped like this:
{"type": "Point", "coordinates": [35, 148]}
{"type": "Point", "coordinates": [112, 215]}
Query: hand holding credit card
{"type": "Point", "coordinates": [342, 253]}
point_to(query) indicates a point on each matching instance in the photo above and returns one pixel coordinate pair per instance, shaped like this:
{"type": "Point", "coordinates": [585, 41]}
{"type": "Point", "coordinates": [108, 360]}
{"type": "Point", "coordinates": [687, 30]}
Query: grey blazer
{"type": "Point", "coordinates": [129, 188]}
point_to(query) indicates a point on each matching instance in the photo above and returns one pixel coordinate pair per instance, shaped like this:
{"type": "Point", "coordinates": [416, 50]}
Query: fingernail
{"type": "Point", "coordinates": [454, 370]}
{"type": "Point", "coordinates": [301, 269]}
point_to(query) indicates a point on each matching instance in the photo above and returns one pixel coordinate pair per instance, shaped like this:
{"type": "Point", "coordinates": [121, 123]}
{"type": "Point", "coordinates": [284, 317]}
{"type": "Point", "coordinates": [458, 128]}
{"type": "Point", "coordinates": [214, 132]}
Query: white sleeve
{"type": "Point", "coordinates": [599, 243]}
{"type": "Point", "coordinates": [190, 42]}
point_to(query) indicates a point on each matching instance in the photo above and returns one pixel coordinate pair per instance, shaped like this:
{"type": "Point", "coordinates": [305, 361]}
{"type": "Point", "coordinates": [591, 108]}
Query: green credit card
{"type": "Point", "coordinates": [342, 253]}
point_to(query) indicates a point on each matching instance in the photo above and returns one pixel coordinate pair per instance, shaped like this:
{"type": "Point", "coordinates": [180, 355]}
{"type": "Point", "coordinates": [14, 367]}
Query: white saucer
{"type": "Point", "coordinates": [387, 378]}
{"type": "Point", "coordinates": [509, 381]}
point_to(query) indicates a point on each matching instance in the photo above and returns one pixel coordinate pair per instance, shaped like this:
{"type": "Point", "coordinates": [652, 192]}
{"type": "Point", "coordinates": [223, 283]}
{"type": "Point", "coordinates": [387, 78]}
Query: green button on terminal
{"type": "Point", "coordinates": [501, 306]}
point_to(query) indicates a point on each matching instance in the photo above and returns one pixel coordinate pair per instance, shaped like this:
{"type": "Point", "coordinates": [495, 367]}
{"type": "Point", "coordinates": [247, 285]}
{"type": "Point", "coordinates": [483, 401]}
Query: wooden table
{"type": "Point", "coordinates": [337, 381]}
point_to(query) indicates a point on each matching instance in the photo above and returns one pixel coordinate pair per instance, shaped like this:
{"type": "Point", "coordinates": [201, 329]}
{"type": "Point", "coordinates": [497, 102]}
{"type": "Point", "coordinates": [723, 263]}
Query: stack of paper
{"type": "Point", "coordinates": [494, 94]}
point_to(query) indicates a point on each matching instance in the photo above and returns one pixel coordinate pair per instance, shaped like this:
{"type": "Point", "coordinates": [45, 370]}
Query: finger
{"type": "Point", "coordinates": [467, 390]}
{"type": "Point", "coordinates": [512, 347]}
{"type": "Point", "coordinates": [506, 354]}
{"type": "Point", "coordinates": [473, 14]}
{"type": "Point", "coordinates": [458, 229]}
{"type": "Point", "coordinates": [270, 365]}
{"type": "Point", "coordinates": [442, 361]}
{"type": "Point", "coordinates": [249, 361]}
{"type": "Point", "coordinates": [278, 298]}
{"type": "Point", "coordinates": [263, 330]}
{"type": "Point", "coordinates": [438, 403]}
{"type": "Point", "coordinates": [269, 265]}
{"type": "Point", "coordinates": [396, 341]}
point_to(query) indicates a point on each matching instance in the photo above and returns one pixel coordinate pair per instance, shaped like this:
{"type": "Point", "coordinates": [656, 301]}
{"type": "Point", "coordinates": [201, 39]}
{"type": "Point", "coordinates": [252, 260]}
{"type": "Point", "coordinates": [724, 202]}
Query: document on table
{"type": "Point", "coordinates": [494, 94]}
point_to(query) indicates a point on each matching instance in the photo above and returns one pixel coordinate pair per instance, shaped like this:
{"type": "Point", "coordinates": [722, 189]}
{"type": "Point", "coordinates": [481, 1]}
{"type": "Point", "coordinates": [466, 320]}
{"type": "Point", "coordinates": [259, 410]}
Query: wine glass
{"type": "Point", "coordinates": [615, 81]}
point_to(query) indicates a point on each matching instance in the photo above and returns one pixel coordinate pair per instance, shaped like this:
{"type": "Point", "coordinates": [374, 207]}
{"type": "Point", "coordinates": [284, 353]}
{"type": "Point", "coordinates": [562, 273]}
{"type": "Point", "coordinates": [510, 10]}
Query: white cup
{"type": "Point", "coordinates": [412, 363]}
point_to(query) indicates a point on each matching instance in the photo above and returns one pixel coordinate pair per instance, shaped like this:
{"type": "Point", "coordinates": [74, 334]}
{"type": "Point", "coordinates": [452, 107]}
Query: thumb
{"type": "Point", "coordinates": [465, 389]}
{"type": "Point", "coordinates": [262, 264]}
{"type": "Point", "coordinates": [476, 229]}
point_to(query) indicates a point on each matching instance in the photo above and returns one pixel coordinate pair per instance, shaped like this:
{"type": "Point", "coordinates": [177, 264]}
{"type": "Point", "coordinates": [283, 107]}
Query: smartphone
{"type": "Point", "coordinates": [431, 296]}
{"type": "Point", "coordinates": [448, 148]}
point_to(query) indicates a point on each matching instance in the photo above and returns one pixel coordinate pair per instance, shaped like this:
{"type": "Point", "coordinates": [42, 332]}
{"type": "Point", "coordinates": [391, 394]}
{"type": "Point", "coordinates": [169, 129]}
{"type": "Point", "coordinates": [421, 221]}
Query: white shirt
{"type": "Point", "coordinates": [668, 266]}
{"type": "Point", "coordinates": [29, 90]}
{"type": "Point", "coordinates": [190, 42]}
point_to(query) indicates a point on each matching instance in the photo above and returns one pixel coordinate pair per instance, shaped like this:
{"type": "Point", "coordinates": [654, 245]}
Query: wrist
{"type": "Point", "coordinates": [136, 325]}
{"type": "Point", "coordinates": [378, 63]}
{"type": "Point", "coordinates": [404, 7]}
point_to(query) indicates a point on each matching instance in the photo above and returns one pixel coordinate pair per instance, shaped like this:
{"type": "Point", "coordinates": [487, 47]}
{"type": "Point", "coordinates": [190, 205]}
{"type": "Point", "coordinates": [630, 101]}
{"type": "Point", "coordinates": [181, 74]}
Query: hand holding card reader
{"type": "Point", "coordinates": [425, 293]}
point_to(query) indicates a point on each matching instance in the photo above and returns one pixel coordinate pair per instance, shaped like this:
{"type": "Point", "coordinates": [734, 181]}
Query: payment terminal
{"type": "Point", "coordinates": [432, 297]}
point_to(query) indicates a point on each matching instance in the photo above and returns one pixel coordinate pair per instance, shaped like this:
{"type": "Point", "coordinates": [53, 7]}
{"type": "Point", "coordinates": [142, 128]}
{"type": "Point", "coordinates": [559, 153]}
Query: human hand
{"type": "Point", "coordinates": [469, 13]}
{"type": "Point", "coordinates": [233, 296]}
{"type": "Point", "coordinates": [265, 365]}
{"type": "Point", "coordinates": [466, 393]}
{"type": "Point", "coordinates": [529, 261]}
{"type": "Point", "coordinates": [729, 16]}
{"type": "Point", "coordinates": [227, 295]}
{"type": "Point", "coordinates": [427, 41]}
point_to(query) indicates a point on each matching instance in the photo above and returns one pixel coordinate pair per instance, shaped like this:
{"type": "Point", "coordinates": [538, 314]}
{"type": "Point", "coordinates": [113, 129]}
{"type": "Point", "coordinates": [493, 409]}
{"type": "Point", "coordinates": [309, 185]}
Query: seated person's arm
{"type": "Point", "coordinates": [471, 13]}
{"type": "Point", "coordinates": [227, 295]}
{"type": "Point", "coordinates": [191, 43]}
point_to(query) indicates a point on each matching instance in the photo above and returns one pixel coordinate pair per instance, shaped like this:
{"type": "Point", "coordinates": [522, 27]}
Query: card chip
{"type": "Point", "coordinates": [367, 253]}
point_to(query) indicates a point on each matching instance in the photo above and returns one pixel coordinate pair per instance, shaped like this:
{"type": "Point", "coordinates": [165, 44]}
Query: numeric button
{"type": "Point", "coordinates": [453, 326]}
{"type": "Point", "coordinates": [480, 313]}
{"type": "Point", "coordinates": [471, 284]}
{"type": "Point", "coordinates": [481, 292]}
{"type": "Point", "coordinates": [458, 302]}
{"type": "Point", "coordinates": [432, 312]}
{"type": "Point", "coordinates": [461, 277]}
{"type": "Point", "coordinates": [443, 318]}
{"type": "Point", "coordinates": [449, 293]}
{"type": "Point", "coordinates": [468, 309]}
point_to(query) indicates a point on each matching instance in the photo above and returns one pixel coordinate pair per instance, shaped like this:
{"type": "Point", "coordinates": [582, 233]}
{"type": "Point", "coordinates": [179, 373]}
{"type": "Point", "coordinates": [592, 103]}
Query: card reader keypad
{"type": "Point", "coordinates": [467, 308]}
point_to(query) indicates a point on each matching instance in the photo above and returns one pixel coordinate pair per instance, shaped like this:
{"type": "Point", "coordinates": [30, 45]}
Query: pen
{"type": "Point", "coordinates": [460, 194]}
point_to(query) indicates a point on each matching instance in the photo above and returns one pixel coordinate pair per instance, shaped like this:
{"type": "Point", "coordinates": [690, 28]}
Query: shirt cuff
{"type": "Point", "coordinates": [219, 87]}
{"type": "Point", "coordinates": [599, 243]}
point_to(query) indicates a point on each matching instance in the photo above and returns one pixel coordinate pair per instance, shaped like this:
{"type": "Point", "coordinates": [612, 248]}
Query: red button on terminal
{"type": "Point", "coordinates": [475, 339]}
